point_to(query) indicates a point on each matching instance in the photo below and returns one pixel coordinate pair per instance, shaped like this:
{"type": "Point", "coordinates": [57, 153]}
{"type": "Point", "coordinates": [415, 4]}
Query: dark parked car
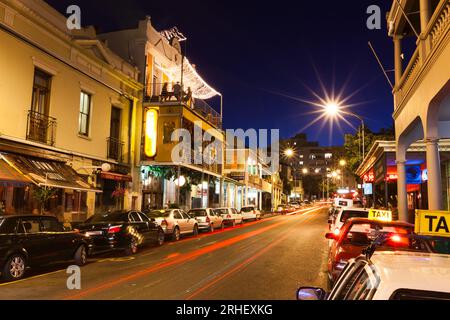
{"type": "Point", "coordinates": [122, 230]}
{"type": "Point", "coordinates": [29, 241]}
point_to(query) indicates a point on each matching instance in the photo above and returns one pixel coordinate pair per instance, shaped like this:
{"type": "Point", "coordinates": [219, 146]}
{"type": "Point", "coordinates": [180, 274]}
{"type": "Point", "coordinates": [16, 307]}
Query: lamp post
{"type": "Point", "coordinates": [333, 109]}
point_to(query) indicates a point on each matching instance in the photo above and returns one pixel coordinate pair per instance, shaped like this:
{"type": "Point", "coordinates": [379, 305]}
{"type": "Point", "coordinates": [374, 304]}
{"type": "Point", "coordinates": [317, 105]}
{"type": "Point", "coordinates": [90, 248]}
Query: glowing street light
{"type": "Point", "coordinates": [289, 153]}
{"type": "Point", "coordinates": [305, 171]}
{"type": "Point", "coordinates": [342, 163]}
{"type": "Point", "coordinates": [332, 109]}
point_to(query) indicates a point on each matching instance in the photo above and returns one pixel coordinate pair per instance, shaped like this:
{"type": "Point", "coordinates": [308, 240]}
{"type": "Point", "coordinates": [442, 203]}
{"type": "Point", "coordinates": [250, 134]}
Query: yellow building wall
{"type": "Point", "coordinates": [18, 61]}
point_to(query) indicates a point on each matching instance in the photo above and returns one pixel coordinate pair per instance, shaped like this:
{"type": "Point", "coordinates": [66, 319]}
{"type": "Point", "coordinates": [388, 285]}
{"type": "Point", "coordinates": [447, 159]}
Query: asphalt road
{"type": "Point", "coordinates": [264, 260]}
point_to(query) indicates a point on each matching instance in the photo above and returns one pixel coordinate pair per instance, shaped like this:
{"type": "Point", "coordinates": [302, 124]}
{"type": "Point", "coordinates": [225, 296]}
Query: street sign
{"type": "Point", "coordinates": [433, 223]}
{"type": "Point", "coordinates": [380, 215]}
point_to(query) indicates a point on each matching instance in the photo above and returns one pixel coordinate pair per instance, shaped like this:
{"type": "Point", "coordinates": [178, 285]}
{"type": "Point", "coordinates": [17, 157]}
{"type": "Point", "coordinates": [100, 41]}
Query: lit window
{"type": "Point", "coordinates": [85, 113]}
{"type": "Point", "coordinates": [301, 163]}
{"type": "Point", "coordinates": [328, 155]}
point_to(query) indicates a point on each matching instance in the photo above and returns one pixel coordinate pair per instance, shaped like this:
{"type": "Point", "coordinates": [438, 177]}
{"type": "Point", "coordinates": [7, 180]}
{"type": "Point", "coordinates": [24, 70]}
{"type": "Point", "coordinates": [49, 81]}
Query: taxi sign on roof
{"type": "Point", "coordinates": [433, 223]}
{"type": "Point", "coordinates": [380, 215]}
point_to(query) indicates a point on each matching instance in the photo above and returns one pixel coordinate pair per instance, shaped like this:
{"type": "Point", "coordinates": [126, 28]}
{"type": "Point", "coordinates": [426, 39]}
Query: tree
{"type": "Point", "coordinates": [352, 145]}
{"type": "Point", "coordinates": [43, 195]}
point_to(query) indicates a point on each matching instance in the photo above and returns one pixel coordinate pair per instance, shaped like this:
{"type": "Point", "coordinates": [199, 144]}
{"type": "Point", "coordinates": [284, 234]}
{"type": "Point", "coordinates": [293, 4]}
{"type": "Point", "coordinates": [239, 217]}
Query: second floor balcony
{"type": "Point", "coordinates": [41, 128]}
{"type": "Point", "coordinates": [430, 26]}
{"type": "Point", "coordinates": [115, 149]}
{"type": "Point", "coordinates": [171, 97]}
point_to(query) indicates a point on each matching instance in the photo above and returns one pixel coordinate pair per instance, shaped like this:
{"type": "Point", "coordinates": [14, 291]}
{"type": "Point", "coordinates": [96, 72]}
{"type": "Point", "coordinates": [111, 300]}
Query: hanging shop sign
{"type": "Point", "coordinates": [151, 132]}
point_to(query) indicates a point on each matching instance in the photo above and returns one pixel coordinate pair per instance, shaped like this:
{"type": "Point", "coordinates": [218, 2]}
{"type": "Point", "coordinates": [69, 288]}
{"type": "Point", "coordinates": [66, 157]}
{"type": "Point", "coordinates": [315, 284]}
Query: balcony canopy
{"type": "Point", "coordinates": [191, 79]}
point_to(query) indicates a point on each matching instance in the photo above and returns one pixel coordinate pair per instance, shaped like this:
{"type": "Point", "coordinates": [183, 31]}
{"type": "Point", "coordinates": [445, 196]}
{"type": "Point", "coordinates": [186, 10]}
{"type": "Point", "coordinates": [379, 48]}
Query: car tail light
{"type": "Point", "coordinates": [114, 229]}
{"type": "Point", "coordinates": [228, 216]}
{"type": "Point", "coordinates": [208, 219]}
{"type": "Point", "coordinates": [337, 232]}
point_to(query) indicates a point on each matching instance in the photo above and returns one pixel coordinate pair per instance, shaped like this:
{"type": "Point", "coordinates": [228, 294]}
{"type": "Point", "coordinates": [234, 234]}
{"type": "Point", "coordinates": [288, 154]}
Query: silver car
{"type": "Point", "coordinates": [207, 219]}
{"type": "Point", "coordinates": [230, 216]}
{"type": "Point", "coordinates": [175, 222]}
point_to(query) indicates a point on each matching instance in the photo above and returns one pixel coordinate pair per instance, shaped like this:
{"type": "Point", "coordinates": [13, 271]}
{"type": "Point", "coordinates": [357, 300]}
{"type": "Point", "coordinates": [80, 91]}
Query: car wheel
{"type": "Point", "coordinates": [233, 224]}
{"type": "Point", "coordinates": [176, 234]}
{"type": "Point", "coordinates": [160, 238]}
{"type": "Point", "coordinates": [132, 247]}
{"type": "Point", "coordinates": [81, 256]}
{"type": "Point", "coordinates": [195, 231]}
{"type": "Point", "coordinates": [14, 268]}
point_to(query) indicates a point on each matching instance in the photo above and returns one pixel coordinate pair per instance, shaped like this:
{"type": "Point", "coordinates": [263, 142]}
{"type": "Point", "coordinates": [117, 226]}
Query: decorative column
{"type": "Point", "coordinates": [425, 14]}
{"type": "Point", "coordinates": [402, 193]}
{"type": "Point", "coordinates": [398, 59]}
{"type": "Point", "coordinates": [435, 201]}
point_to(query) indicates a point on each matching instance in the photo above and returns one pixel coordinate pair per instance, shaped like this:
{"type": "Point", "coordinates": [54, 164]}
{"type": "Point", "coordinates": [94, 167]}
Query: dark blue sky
{"type": "Point", "coordinates": [257, 52]}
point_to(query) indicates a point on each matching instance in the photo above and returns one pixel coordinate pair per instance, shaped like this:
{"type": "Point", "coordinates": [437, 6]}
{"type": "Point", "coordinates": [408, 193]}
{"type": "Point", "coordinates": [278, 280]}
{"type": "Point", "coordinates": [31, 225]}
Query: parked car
{"type": "Point", "coordinates": [29, 241]}
{"type": "Point", "coordinates": [250, 213]}
{"type": "Point", "coordinates": [295, 204]}
{"type": "Point", "coordinates": [399, 275]}
{"type": "Point", "coordinates": [175, 222]}
{"type": "Point", "coordinates": [208, 219]}
{"type": "Point", "coordinates": [282, 209]}
{"type": "Point", "coordinates": [356, 235]}
{"type": "Point", "coordinates": [122, 230]}
{"type": "Point", "coordinates": [230, 216]}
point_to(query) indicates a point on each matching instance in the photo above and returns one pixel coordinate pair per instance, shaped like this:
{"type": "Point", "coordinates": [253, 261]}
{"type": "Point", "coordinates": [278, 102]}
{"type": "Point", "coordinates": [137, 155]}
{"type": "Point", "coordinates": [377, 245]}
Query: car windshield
{"type": "Point", "coordinates": [348, 214]}
{"type": "Point", "coordinates": [118, 216]}
{"type": "Point", "coordinates": [197, 213]}
{"type": "Point", "coordinates": [159, 214]}
{"type": "Point", "coordinates": [247, 209]}
{"type": "Point", "coordinates": [221, 211]}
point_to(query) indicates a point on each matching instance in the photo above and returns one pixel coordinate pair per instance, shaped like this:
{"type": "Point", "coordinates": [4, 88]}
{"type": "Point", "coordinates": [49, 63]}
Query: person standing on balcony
{"type": "Point", "coordinates": [188, 98]}
{"type": "Point", "coordinates": [177, 91]}
{"type": "Point", "coordinates": [165, 92]}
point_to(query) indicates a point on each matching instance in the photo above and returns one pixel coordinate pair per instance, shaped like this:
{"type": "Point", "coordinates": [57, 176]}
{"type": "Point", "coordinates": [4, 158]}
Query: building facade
{"type": "Point", "coordinates": [380, 176]}
{"type": "Point", "coordinates": [422, 89]}
{"type": "Point", "coordinates": [174, 103]}
{"type": "Point", "coordinates": [67, 104]}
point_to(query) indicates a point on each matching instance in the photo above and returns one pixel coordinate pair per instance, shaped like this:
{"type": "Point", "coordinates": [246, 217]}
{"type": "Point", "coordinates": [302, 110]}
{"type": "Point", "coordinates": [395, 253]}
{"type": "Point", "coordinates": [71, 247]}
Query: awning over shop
{"type": "Point", "coordinates": [116, 177]}
{"type": "Point", "coordinates": [10, 177]}
{"type": "Point", "coordinates": [47, 173]}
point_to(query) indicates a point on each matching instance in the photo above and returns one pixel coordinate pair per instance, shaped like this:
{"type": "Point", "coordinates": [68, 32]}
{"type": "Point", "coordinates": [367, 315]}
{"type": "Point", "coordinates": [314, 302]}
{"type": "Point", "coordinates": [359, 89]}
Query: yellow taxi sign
{"type": "Point", "coordinates": [380, 215]}
{"type": "Point", "coordinates": [433, 223]}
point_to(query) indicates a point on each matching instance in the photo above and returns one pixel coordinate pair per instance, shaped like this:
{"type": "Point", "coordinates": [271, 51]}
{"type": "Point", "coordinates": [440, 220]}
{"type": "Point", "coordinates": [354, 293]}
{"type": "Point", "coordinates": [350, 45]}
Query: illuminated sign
{"type": "Point", "coordinates": [151, 132]}
{"type": "Point", "coordinates": [425, 175]}
{"type": "Point", "coordinates": [368, 189]}
{"type": "Point", "coordinates": [413, 175]}
{"type": "Point", "coordinates": [369, 177]}
{"type": "Point", "coordinates": [433, 223]}
{"type": "Point", "coordinates": [380, 215]}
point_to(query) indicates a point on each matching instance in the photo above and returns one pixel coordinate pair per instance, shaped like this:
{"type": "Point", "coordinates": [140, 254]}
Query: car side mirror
{"type": "Point", "coordinates": [311, 293]}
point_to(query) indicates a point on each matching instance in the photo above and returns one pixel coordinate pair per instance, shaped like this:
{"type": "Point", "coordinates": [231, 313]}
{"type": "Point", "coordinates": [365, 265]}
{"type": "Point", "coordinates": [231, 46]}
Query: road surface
{"type": "Point", "coordinates": [264, 260]}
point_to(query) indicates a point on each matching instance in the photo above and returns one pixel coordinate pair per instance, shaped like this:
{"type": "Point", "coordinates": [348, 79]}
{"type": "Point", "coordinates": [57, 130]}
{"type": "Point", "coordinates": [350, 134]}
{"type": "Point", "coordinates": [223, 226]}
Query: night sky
{"type": "Point", "coordinates": [258, 53]}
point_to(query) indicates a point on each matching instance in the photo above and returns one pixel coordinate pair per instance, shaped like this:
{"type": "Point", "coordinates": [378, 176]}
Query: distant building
{"type": "Point", "coordinates": [309, 158]}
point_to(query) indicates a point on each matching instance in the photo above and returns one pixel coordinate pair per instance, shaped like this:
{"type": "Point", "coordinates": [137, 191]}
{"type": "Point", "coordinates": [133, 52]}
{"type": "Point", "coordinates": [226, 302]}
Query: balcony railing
{"type": "Point", "coordinates": [41, 128]}
{"type": "Point", "coordinates": [433, 37]}
{"type": "Point", "coordinates": [199, 106]}
{"type": "Point", "coordinates": [115, 149]}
